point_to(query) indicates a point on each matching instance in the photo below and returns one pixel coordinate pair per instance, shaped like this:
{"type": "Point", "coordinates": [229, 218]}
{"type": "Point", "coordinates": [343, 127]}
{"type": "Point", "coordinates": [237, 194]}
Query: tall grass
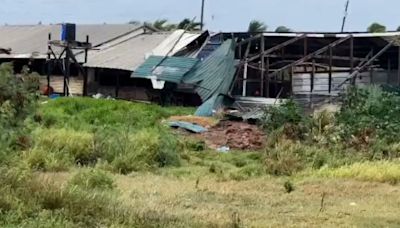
{"type": "Point", "coordinates": [379, 171]}
{"type": "Point", "coordinates": [88, 114]}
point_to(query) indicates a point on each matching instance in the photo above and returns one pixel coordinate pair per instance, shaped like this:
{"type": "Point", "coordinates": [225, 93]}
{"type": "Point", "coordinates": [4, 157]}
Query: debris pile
{"type": "Point", "coordinates": [235, 135]}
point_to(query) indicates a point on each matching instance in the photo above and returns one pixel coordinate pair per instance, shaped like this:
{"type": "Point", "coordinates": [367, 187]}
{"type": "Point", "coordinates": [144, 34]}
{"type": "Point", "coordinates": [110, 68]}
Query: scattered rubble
{"type": "Point", "coordinates": [235, 135]}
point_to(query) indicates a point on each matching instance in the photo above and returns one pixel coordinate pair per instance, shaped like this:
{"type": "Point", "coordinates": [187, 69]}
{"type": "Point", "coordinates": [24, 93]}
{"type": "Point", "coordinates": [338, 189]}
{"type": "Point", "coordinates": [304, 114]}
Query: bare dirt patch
{"type": "Point", "coordinates": [235, 135]}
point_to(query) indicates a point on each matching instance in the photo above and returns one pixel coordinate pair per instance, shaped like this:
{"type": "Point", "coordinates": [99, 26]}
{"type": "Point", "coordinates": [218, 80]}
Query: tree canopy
{"type": "Point", "coordinates": [283, 29]}
{"type": "Point", "coordinates": [376, 28]}
{"type": "Point", "coordinates": [256, 26]}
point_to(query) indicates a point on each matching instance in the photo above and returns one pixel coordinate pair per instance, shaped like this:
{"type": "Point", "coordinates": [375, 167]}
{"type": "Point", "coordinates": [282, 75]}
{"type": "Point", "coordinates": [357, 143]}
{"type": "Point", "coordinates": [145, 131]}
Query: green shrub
{"type": "Point", "coordinates": [78, 145]}
{"type": "Point", "coordinates": [289, 187]}
{"type": "Point", "coordinates": [93, 179]}
{"type": "Point", "coordinates": [369, 112]}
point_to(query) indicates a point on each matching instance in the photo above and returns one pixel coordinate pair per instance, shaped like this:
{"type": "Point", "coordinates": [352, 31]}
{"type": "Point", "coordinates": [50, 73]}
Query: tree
{"type": "Point", "coordinates": [376, 28]}
{"type": "Point", "coordinates": [257, 26]}
{"type": "Point", "coordinates": [398, 29]}
{"type": "Point", "coordinates": [283, 29]}
{"type": "Point", "coordinates": [162, 25]}
{"type": "Point", "coordinates": [189, 25]}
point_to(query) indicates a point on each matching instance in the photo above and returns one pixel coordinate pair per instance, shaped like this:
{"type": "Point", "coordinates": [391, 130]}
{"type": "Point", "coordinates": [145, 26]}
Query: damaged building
{"type": "Point", "coordinates": [210, 70]}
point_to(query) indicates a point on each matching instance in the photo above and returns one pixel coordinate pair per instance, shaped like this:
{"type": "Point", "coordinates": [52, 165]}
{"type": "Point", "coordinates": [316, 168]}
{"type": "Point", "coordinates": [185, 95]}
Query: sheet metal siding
{"type": "Point", "coordinates": [171, 69]}
{"type": "Point", "coordinates": [125, 53]}
{"type": "Point", "coordinates": [215, 74]}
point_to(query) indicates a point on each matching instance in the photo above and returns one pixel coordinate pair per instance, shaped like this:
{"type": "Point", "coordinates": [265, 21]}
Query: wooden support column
{"type": "Point", "coordinates": [305, 46]}
{"type": "Point", "coordinates": [267, 81]}
{"type": "Point", "coordinates": [371, 71]}
{"type": "Point", "coordinates": [312, 76]}
{"type": "Point", "coordinates": [49, 62]}
{"type": "Point", "coordinates": [351, 54]}
{"type": "Point", "coordinates": [67, 74]}
{"type": "Point", "coordinates": [330, 69]}
{"type": "Point", "coordinates": [262, 65]}
{"type": "Point", "coordinates": [244, 91]}
{"type": "Point", "coordinates": [85, 73]}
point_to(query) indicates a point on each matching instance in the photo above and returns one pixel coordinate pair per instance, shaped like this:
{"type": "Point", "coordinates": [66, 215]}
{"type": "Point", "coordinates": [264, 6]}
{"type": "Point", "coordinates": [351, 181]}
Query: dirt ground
{"type": "Point", "coordinates": [235, 135]}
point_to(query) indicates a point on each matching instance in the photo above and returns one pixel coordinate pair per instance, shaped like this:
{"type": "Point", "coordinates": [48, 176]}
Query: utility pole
{"type": "Point", "coordinates": [202, 15]}
{"type": "Point", "coordinates": [345, 14]}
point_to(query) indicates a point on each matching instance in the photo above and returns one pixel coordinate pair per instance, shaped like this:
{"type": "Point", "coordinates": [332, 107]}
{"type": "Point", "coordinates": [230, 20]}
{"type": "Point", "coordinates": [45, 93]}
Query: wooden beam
{"type": "Point", "coordinates": [267, 79]}
{"type": "Point", "coordinates": [312, 76]}
{"type": "Point", "coordinates": [369, 62]}
{"type": "Point", "coordinates": [262, 65]}
{"type": "Point", "coordinates": [330, 69]}
{"type": "Point", "coordinates": [277, 47]}
{"type": "Point", "coordinates": [312, 55]}
{"type": "Point", "coordinates": [351, 54]}
{"type": "Point", "coordinates": [244, 91]}
{"type": "Point", "coordinates": [250, 39]}
{"type": "Point", "coordinates": [335, 57]}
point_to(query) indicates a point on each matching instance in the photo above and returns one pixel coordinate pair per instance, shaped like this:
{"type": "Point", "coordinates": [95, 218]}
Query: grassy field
{"type": "Point", "coordinates": [103, 163]}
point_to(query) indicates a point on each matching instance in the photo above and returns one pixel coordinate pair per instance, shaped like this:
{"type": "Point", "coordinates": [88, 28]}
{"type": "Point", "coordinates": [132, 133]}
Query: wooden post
{"type": "Point", "coordinates": [85, 73]}
{"type": "Point", "coordinates": [330, 69]}
{"type": "Point", "coordinates": [305, 46]}
{"type": "Point", "coordinates": [267, 79]}
{"type": "Point", "coordinates": [351, 54]}
{"type": "Point", "coordinates": [67, 71]}
{"type": "Point", "coordinates": [371, 71]}
{"type": "Point", "coordinates": [48, 64]}
{"type": "Point", "coordinates": [244, 92]}
{"type": "Point", "coordinates": [262, 65]}
{"type": "Point", "coordinates": [312, 76]}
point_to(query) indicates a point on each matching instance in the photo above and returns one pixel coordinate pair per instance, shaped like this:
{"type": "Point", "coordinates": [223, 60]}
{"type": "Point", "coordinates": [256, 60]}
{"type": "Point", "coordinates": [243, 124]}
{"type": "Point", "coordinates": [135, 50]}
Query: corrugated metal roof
{"type": "Point", "coordinates": [178, 40]}
{"type": "Point", "coordinates": [125, 53]}
{"type": "Point", "coordinates": [171, 69]}
{"type": "Point", "coordinates": [25, 40]}
{"type": "Point", "coordinates": [215, 75]}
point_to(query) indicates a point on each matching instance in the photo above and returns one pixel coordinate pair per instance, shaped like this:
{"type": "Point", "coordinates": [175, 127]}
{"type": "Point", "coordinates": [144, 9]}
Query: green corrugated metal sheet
{"type": "Point", "coordinates": [171, 69]}
{"type": "Point", "coordinates": [215, 75]}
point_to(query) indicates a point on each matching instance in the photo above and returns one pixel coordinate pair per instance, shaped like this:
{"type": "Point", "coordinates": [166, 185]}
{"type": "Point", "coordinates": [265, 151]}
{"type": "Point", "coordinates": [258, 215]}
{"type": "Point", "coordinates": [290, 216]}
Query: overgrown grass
{"type": "Point", "coordinates": [87, 114]}
{"type": "Point", "coordinates": [379, 171]}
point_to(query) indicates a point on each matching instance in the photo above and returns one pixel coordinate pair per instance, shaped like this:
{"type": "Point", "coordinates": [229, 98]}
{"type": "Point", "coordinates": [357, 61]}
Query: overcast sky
{"type": "Point", "coordinates": [221, 15]}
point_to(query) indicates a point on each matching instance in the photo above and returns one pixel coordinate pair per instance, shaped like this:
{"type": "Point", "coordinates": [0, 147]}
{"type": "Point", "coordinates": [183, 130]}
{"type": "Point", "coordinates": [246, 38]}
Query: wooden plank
{"type": "Point", "coordinates": [278, 47]}
{"type": "Point", "coordinates": [310, 56]}
{"type": "Point", "coordinates": [262, 66]}
{"type": "Point", "coordinates": [330, 68]}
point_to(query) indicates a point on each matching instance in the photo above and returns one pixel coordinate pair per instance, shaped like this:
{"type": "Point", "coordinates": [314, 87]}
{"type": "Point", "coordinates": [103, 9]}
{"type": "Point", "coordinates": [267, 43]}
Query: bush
{"type": "Point", "coordinates": [287, 116]}
{"type": "Point", "coordinates": [370, 112]}
{"type": "Point", "coordinates": [18, 96]}
{"type": "Point", "coordinates": [93, 179]}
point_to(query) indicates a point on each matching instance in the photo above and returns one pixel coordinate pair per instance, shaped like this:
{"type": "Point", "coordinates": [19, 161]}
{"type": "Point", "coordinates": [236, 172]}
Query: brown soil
{"type": "Point", "coordinates": [235, 135]}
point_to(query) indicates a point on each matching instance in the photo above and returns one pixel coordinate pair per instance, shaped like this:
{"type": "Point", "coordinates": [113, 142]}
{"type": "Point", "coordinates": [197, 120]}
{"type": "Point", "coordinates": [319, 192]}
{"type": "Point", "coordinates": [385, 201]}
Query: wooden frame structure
{"type": "Point", "coordinates": [279, 58]}
{"type": "Point", "coordinates": [65, 59]}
